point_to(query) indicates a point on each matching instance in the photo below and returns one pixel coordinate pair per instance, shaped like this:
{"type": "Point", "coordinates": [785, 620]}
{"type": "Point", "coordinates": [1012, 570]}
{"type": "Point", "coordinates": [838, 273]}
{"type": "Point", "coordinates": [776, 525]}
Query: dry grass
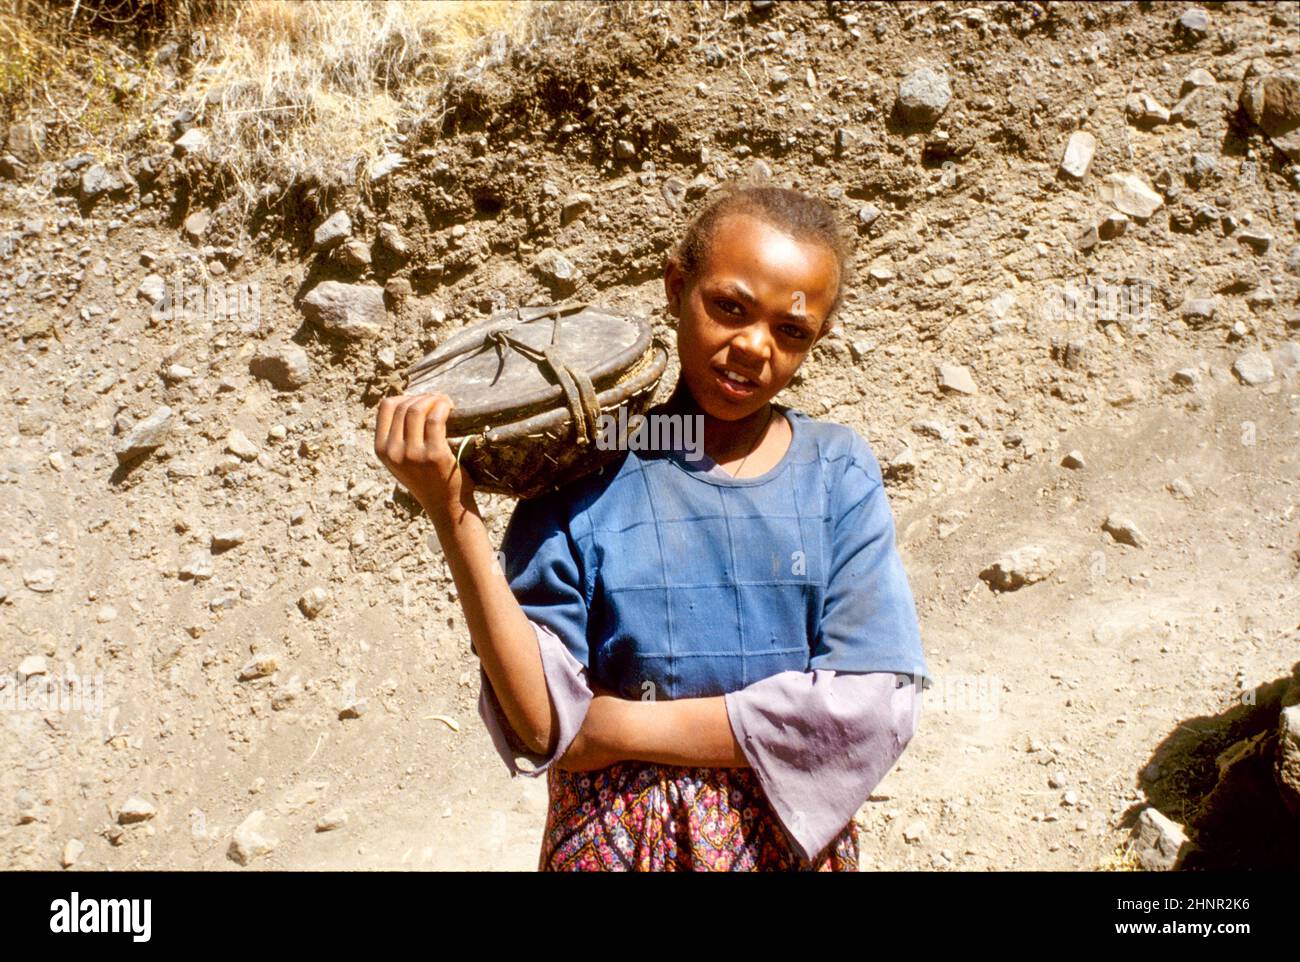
{"type": "Point", "coordinates": [321, 88]}
{"type": "Point", "coordinates": [1122, 859]}
{"type": "Point", "coordinates": [285, 88]}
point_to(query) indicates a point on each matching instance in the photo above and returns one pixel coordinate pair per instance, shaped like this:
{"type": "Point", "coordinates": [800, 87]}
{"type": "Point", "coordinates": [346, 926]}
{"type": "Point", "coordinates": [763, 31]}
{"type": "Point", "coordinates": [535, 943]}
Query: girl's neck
{"type": "Point", "coordinates": [722, 438]}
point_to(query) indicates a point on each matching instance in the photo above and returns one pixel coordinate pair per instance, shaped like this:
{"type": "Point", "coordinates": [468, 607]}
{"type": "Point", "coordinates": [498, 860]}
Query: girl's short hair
{"type": "Point", "coordinates": [803, 217]}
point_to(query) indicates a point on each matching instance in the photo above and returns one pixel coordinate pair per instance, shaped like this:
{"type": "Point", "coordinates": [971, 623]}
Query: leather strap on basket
{"type": "Point", "coordinates": [579, 392]}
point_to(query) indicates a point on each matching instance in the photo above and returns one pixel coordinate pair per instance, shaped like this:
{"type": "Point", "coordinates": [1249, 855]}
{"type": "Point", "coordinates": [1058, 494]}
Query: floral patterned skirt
{"type": "Point", "coordinates": [641, 817]}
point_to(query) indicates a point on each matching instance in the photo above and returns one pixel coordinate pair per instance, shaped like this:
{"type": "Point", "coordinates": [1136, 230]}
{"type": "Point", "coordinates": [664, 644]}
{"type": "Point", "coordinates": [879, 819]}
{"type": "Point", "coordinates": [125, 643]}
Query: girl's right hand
{"type": "Point", "coordinates": [411, 441]}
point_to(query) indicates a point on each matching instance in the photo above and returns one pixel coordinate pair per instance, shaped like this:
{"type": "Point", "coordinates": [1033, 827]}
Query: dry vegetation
{"type": "Point", "coordinates": [290, 89]}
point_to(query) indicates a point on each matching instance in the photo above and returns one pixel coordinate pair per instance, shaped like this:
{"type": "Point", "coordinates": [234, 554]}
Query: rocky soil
{"type": "Point", "coordinates": [1072, 342]}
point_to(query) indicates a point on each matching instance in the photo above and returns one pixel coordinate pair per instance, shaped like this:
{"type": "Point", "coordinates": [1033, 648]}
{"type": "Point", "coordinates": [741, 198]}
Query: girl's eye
{"type": "Point", "coordinates": [727, 306]}
{"type": "Point", "coordinates": [798, 333]}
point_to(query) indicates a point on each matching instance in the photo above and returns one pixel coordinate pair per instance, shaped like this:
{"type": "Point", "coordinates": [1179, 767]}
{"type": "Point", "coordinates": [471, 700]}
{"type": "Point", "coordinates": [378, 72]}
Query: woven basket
{"type": "Point", "coordinates": [529, 386]}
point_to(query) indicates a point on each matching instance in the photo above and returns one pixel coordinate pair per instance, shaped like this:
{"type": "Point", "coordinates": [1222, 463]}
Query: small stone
{"type": "Point", "coordinates": [198, 568]}
{"type": "Point", "coordinates": [135, 809]}
{"type": "Point", "coordinates": [237, 443]}
{"type": "Point", "coordinates": [105, 614]}
{"type": "Point", "coordinates": [285, 366]}
{"type": "Point", "coordinates": [1112, 226]}
{"type": "Point", "coordinates": [353, 708]}
{"type": "Point", "coordinates": [354, 253]}
{"type": "Point", "coordinates": [314, 602]}
{"type": "Point", "coordinates": [332, 231]}
{"type": "Point", "coordinates": [196, 225]}
{"type": "Point", "coordinates": [1253, 367]}
{"type": "Point", "coordinates": [71, 852]}
{"type": "Point", "coordinates": [227, 539]}
{"type": "Point", "coordinates": [259, 667]}
{"type": "Point", "coordinates": [152, 289]}
{"type": "Point", "coordinates": [330, 821]}
{"type": "Point", "coordinates": [1070, 799]}
{"type": "Point", "coordinates": [1181, 489]}
{"type": "Point", "coordinates": [31, 666]}
{"type": "Point", "coordinates": [915, 831]}
{"type": "Point", "coordinates": [40, 580]}
{"type": "Point", "coordinates": [1130, 194]}
{"type": "Point", "coordinates": [385, 165]}
{"type": "Point", "coordinates": [556, 269]}
{"type": "Point", "coordinates": [1199, 311]}
{"type": "Point", "coordinates": [1078, 154]}
{"type": "Point", "coordinates": [149, 435]}
{"type": "Point", "coordinates": [923, 96]}
{"type": "Point", "coordinates": [1187, 377]}
{"type": "Point", "coordinates": [249, 842]}
{"type": "Point", "coordinates": [957, 379]}
{"type": "Point", "coordinates": [1257, 240]}
{"type": "Point", "coordinates": [352, 311]}
{"type": "Point", "coordinates": [1194, 24]}
{"type": "Point", "coordinates": [194, 140]}
{"type": "Point", "coordinates": [392, 239]}
{"type": "Point", "coordinates": [1073, 460]}
{"type": "Point", "coordinates": [1026, 565]}
{"type": "Point", "coordinates": [1145, 111]}
{"type": "Point", "coordinates": [1123, 530]}
{"type": "Point", "coordinates": [1159, 843]}
{"type": "Point", "coordinates": [574, 206]}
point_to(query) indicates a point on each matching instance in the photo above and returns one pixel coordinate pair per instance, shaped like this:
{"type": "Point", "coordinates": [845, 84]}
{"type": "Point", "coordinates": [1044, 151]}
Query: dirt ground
{"type": "Point", "coordinates": [1060, 710]}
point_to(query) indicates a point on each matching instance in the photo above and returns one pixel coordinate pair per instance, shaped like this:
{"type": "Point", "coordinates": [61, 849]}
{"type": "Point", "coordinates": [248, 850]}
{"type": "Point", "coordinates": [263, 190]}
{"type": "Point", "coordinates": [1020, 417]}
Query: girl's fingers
{"type": "Point", "coordinates": [414, 421]}
{"type": "Point", "coordinates": [435, 426]}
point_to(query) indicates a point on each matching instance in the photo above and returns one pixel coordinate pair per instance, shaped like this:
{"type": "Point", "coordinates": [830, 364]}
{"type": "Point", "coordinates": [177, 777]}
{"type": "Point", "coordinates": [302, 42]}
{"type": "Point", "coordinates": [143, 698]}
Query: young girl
{"type": "Point", "coordinates": [714, 660]}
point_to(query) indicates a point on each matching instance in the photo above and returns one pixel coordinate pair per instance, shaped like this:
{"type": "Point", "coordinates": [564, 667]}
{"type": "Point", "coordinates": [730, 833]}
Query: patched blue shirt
{"type": "Point", "coordinates": [670, 579]}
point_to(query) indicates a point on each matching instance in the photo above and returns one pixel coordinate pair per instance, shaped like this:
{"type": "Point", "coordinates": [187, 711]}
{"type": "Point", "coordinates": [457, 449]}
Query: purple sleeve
{"type": "Point", "coordinates": [566, 681]}
{"type": "Point", "coordinates": [820, 741]}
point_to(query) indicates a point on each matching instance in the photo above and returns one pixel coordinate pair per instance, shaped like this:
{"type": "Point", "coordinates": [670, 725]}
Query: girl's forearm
{"type": "Point", "coordinates": [502, 634]}
{"type": "Point", "coordinates": [687, 731]}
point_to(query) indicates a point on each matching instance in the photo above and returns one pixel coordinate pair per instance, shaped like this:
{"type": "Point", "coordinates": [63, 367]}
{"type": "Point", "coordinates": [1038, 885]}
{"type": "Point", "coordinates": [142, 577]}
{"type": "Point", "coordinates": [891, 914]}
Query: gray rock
{"type": "Point", "coordinates": [393, 240]}
{"type": "Point", "coordinates": [32, 665]}
{"type": "Point", "coordinates": [249, 841]}
{"type": "Point", "coordinates": [1131, 195]}
{"type": "Point", "coordinates": [352, 311]}
{"type": "Point", "coordinates": [196, 225]}
{"type": "Point", "coordinates": [332, 820]}
{"type": "Point", "coordinates": [1194, 24]}
{"type": "Point", "coordinates": [227, 539]}
{"type": "Point", "coordinates": [135, 809]}
{"type": "Point", "coordinates": [332, 231]}
{"type": "Point", "coordinates": [354, 253]}
{"type": "Point", "coordinates": [1253, 367]}
{"type": "Point", "coordinates": [1257, 240]}
{"type": "Point", "coordinates": [868, 214]}
{"type": "Point", "coordinates": [1199, 311]}
{"type": "Point", "coordinates": [285, 366]}
{"type": "Point", "coordinates": [1272, 101]}
{"type": "Point", "coordinates": [1195, 80]}
{"type": "Point", "coordinates": [1159, 842]}
{"type": "Point", "coordinates": [923, 96]}
{"type": "Point", "coordinates": [574, 206]}
{"type": "Point", "coordinates": [40, 580]}
{"type": "Point", "coordinates": [314, 601]}
{"type": "Point", "coordinates": [954, 378]}
{"type": "Point", "coordinates": [1079, 151]}
{"type": "Point", "coordinates": [26, 141]}
{"type": "Point", "coordinates": [1123, 530]}
{"type": "Point", "coordinates": [1026, 565]}
{"type": "Point", "coordinates": [259, 666]}
{"type": "Point", "coordinates": [237, 443]}
{"type": "Point", "coordinates": [97, 181]}
{"type": "Point", "coordinates": [556, 269]}
{"type": "Point", "coordinates": [1144, 110]}
{"type": "Point", "coordinates": [148, 435]}
{"type": "Point", "coordinates": [152, 289]}
{"type": "Point", "coordinates": [198, 568]}
{"type": "Point", "coordinates": [193, 141]}
{"type": "Point", "coordinates": [385, 165]}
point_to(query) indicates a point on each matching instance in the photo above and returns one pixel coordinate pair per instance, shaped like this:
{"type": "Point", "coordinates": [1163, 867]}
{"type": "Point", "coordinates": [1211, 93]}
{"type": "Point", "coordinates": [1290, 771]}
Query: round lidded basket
{"type": "Point", "coordinates": [529, 387]}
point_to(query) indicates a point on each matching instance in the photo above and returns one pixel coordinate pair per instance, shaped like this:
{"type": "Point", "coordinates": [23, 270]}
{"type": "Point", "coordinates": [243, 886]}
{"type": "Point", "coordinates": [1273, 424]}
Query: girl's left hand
{"type": "Point", "coordinates": [596, 744]}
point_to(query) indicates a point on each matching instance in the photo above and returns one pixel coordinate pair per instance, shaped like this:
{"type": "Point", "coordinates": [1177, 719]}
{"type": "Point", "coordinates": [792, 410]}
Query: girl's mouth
{"type": "Point", "coordinates": [739, 388]}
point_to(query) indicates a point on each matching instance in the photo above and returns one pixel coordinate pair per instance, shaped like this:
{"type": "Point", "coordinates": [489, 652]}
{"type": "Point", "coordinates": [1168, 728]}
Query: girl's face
{"type": "Point", "coordinates": [755, 309]}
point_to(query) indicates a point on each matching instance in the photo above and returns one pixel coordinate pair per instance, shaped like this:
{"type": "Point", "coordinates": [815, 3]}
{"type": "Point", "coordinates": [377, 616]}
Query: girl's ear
{"type": "Point", "coordinates": [674, 284]}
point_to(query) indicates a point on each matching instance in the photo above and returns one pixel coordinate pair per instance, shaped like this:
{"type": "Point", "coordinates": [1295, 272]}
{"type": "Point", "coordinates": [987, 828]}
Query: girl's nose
{"type": "Point", "coordinates": [753, 341]}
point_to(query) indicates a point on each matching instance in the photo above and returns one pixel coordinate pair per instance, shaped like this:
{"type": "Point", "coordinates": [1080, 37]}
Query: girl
{"type": "Point", "coordinates": [714, 660]}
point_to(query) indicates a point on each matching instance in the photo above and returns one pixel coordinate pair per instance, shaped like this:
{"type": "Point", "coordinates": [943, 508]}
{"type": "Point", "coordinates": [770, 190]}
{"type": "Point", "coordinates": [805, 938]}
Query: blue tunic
{"type": "Point", "coordinates": [670, 580]}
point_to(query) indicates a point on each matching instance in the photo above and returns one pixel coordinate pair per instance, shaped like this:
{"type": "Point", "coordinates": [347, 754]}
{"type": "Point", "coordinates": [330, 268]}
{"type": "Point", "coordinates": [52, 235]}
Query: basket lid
{"type": "Point", "coordinates": [494, 371]}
